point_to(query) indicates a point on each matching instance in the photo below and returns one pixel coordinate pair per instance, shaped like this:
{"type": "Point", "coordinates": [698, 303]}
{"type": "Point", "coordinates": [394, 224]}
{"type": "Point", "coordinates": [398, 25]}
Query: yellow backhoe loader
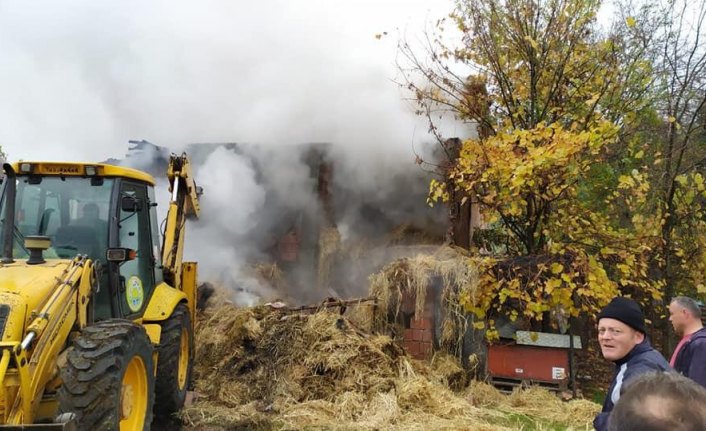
{"type": "Point", "coordinates": [96, 320]}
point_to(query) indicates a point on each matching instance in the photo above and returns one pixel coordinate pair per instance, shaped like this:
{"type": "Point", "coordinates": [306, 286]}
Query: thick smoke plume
{"type": "Point", "coordinates": [81, 78]}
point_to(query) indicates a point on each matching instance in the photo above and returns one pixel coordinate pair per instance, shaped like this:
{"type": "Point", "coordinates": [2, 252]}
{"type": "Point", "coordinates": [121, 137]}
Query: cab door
{"type": "Point", "coordinates": [136, 277]}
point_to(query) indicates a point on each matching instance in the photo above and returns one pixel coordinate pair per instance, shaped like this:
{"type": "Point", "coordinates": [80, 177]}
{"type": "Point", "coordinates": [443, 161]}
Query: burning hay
{"type": "Point", "coordinates": [267, 369]}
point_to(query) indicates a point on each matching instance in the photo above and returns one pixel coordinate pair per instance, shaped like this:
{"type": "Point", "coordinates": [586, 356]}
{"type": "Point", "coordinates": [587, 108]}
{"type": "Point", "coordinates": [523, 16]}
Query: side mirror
{"type": "Point", "coordinates": [130, 204]}
{"type": "Point", "coordinates": [119, 255]}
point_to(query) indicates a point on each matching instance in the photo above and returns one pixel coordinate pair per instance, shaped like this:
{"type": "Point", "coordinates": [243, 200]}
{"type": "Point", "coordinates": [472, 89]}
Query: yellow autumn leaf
{"type": "Point", "coordinates": [630, 21]}
{"type": "Point", "coordinates": [557, 268]}
{"type": "Point", "coordinates": [551, 284]}
{"type": "Point", "coordinates": [671, 119]}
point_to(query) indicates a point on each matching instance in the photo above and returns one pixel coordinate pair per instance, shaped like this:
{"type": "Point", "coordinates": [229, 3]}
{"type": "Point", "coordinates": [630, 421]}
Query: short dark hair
{"type": "Point", "coordinates": [689, 304]}
{"type": "Point", "coordinates": [660, 401]}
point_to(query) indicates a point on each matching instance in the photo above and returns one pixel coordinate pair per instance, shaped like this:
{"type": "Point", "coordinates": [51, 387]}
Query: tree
{"type": "Point", "coordinates": [551, 97]}
{"type": "Point", "coordinates": [668, 142]}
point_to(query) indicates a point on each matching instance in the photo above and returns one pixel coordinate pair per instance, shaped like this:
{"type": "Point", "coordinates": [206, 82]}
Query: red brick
{"type": "Point", "coordinates": [423, 323]}
{"type": "Point", "coordinates": [412, 347]}
{"type": "Point", "coordinates": [409, 334]}
{"type": "Point", "coordinates": [426, 336]}
{"type": "Point", "coordinates": [407, 303]}
{"type": "Point", "coordinates": [425, 350]}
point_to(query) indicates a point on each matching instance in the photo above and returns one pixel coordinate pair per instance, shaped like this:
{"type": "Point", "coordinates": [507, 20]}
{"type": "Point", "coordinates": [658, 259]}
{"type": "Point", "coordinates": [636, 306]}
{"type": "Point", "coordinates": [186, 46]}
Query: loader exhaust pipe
{"type": "Point", "coordinates": [9, 216]}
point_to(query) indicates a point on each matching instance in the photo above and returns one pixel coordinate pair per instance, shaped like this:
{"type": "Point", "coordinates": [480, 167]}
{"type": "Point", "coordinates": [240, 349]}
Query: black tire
{"type": "Point", "coordinates": [170, 389]}
{"type": "Point", "coordinates": [97, 363]}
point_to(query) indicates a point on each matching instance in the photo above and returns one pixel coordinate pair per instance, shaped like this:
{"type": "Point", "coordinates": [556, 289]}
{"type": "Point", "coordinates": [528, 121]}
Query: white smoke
{"type": "Point", "coordinates": [80, 78]}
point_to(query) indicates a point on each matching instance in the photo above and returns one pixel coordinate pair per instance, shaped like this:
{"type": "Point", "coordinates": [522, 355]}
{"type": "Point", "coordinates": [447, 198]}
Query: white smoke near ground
{"type": "Point", "coordinates": [228, 213]}
{"type": "Point", "coordinates": [230, 181]}
{"type": "Point", "coordinates": [80, 78]}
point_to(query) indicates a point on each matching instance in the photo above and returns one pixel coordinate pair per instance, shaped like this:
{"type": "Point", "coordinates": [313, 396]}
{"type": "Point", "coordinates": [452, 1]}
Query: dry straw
{"type": "Point", "coordinates": [265, 369]}
{"type": "Point", "coordinates": [451, 270]}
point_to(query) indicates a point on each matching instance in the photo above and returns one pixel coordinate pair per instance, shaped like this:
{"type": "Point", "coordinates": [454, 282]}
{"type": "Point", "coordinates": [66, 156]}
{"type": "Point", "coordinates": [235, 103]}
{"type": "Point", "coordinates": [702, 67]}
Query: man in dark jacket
{"type": "Point", "coordinates": [621, 335]}
{"type": "Point", "coordinates": [689, 357]}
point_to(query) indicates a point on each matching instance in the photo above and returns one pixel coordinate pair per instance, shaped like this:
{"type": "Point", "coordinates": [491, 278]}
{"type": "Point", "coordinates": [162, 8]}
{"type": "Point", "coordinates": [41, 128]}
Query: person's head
{"type": "Point", "coordinates": [621, 326]}
{"type": "Point", "coordinates": [685, 315]}
{"type": "Point", "coordinates": [660, 401]}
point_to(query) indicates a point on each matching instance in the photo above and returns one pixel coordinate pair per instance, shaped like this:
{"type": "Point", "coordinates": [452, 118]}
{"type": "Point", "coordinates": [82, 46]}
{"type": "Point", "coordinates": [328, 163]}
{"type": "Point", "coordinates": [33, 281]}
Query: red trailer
{"type": "Point", "coordinates": [537, 358]}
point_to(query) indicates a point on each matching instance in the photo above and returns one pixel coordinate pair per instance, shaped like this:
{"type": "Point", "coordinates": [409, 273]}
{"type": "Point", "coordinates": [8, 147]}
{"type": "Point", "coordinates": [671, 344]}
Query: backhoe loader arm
{"type": "Point", "coordinates": [183, 204]}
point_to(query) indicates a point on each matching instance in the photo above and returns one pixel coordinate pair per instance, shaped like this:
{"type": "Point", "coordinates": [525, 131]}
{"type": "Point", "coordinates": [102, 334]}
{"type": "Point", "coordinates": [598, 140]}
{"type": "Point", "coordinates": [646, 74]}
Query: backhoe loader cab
{"type": "Point", "coordinates": [96, 307]}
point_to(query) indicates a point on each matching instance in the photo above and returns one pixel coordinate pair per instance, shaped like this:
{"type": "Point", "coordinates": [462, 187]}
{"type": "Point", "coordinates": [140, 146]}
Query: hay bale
{"type": "Point", "coordinates": [329, 246]}
{"type": "Point", "coordinates": [481, 394]}
{"type": "Point", "coordinates": [411, 278]}
{"type": "Point", "coordinates": [271, 355]}
{"type": "Point", "coordinates": [271, 273]}
{"type": "Point", "coordinates": [449, 371]}
{"type": "Point", "coordinates": [540, 403]}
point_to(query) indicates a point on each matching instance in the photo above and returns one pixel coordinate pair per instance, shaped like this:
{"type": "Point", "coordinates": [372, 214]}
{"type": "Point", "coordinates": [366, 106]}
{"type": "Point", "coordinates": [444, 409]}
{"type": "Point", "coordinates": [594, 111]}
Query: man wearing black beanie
{"type": "Point", "coordinates": [621, 335]}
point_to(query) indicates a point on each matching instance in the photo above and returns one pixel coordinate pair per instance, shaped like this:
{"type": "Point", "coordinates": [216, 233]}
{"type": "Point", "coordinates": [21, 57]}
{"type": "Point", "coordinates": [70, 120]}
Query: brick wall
{"type": "Point", "coordinates": [418, 339]}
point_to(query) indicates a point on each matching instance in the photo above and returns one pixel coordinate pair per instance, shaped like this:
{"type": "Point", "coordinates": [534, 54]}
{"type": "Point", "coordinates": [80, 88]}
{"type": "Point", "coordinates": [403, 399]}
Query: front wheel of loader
{"type": "Point", "coordinates": [174, 362]}
{"type": "Point", "coordinates": [108, 381]}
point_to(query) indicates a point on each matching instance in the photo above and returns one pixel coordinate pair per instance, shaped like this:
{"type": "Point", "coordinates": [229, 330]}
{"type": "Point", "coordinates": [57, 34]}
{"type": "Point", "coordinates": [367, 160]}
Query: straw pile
{"type": "Point", "coordinates": [265, 369]}
{"type": "Point", "coordinates": [411, 278]}
{"type": "Point", "coordinates": [329, 245]}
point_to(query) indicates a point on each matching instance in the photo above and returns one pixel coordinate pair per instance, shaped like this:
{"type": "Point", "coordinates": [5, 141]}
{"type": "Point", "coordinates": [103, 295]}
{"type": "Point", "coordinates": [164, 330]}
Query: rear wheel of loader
{"type": "Point", "coordinates": [108, 381]}
{"type": "Point", "coordinates": [174, 362]}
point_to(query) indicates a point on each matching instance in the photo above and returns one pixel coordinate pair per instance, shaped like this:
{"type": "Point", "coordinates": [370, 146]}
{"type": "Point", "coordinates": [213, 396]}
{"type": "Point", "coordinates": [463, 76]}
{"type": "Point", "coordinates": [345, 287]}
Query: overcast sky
{"type": "Point", "coordinates": [78, 79]}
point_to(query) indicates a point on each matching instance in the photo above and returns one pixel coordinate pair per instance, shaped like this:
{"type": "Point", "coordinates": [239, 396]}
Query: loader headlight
{"type": "Point", "coordinates": [119, 255]}
{"type": "Point", "coordinates": [90, 171]}
{"type": "Point", "coordinates": [25, 168]}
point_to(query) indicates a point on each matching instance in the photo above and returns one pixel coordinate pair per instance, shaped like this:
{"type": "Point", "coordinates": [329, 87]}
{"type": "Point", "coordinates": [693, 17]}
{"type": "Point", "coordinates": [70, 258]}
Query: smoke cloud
{"type": "Point", "coordinates": [81, 78]}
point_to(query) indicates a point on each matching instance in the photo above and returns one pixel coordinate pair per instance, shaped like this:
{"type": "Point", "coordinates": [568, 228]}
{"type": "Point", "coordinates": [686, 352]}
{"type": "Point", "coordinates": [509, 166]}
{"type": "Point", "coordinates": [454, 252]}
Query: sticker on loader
{"type": "Point", "coordinates": [134, 293]}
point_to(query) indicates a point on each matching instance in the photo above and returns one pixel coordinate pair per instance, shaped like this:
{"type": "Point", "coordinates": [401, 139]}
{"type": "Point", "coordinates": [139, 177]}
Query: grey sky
{"type": "Point", "coordinates": [79, 78]}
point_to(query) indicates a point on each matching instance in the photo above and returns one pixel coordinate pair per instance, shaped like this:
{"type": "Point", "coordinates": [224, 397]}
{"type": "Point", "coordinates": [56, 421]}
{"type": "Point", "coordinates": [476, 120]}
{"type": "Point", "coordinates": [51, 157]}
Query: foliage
{"type": "Point", "coordinates": [581, 156]}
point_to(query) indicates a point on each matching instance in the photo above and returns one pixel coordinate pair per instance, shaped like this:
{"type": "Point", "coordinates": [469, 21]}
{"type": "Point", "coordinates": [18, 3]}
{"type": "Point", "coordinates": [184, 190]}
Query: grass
{"type": "Point", "coordinates": [524, 422]}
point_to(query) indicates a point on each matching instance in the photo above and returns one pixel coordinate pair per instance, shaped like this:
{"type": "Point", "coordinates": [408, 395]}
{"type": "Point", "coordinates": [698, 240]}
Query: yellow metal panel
{"type": "Point", "coordinates": [154, 331]}
{"type": "Point", "coordinates": [164, 299]}
{"type": "Point", "coordinates": [47, 408]}
{"type": "Point", "coordinates": [15, 323]}
{"type": "Point", "coordinates": [172, 248]}
{"type": "Point", "coordinates": [79, 169]}
{"type": "Point", "coordinates": [16, 278]}
{"type": "Point", "coordinates": [189, 277]}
